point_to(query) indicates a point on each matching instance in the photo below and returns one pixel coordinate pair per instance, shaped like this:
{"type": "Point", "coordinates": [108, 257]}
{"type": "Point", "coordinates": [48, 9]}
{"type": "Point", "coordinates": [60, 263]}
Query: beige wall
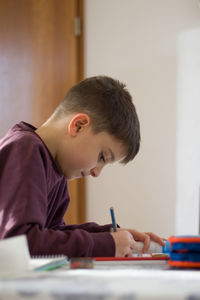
{"type": "Point", "coordinates": [136, 42]}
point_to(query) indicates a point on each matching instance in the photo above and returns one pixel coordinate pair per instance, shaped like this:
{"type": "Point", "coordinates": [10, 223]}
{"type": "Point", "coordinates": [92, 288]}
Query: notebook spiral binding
{"type": "Point", "coordinates": [48, 256]}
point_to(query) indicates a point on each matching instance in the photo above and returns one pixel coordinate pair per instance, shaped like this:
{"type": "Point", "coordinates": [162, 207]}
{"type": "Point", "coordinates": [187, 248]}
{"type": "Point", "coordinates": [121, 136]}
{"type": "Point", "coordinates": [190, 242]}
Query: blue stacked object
{"type": "Point", "coordinates": [185, 251]}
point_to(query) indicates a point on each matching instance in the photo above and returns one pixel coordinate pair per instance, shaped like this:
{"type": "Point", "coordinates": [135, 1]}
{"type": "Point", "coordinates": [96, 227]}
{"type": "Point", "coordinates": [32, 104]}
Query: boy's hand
{"type": "Point", "coordinates": [124, 243]}
{"type": "Point", "coordinates": [145, 237]}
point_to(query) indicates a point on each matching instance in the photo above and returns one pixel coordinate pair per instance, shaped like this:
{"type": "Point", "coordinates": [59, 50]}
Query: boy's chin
{"type": "Point", "coordinates": [72, 177]}
{"type": "Point", "coordinates": [78, 174]}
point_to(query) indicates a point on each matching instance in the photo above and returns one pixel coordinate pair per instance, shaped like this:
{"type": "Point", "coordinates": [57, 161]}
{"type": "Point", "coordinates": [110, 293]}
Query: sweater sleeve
{"type": "Point", "coordinates": [72, 243]}
{"type": "Point", "coordinates": [90, 227]}
{"type": "Point", "coordinates": [24, 209]}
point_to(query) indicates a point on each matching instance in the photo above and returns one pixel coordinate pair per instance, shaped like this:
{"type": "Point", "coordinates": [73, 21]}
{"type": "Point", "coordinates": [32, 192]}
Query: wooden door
{"type": "Point", "coordinates": [41, 57]}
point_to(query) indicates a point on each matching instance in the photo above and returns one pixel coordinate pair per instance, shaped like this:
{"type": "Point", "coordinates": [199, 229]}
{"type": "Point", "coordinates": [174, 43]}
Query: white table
{"type": "Point", "coordinates": [106, 281]}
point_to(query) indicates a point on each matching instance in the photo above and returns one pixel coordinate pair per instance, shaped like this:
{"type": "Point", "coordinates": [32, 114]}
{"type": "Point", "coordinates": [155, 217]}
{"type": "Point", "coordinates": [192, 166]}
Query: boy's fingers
{"type": "Point", "coordinates": [155, 238]}
{"type": "Point", "coordinates": [143, 237]}
{"type": "Point", "coordinates": [146, 242]}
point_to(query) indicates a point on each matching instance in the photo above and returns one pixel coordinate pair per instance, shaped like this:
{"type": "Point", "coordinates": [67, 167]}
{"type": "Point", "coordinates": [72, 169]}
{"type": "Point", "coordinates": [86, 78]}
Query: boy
{"type": "Point", "coordinates": [94, 125]}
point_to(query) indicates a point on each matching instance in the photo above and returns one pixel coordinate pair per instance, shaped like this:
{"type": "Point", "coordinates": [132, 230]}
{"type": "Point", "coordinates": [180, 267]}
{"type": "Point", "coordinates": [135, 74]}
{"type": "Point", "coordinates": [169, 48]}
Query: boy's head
{"type": "Point", "coordinates": [110, 108]}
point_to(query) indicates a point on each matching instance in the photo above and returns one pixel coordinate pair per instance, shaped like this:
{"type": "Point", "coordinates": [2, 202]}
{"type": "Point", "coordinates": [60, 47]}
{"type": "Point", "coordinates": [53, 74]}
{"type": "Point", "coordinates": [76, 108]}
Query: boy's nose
{"type": "Point", "coordinates": [95, 172]}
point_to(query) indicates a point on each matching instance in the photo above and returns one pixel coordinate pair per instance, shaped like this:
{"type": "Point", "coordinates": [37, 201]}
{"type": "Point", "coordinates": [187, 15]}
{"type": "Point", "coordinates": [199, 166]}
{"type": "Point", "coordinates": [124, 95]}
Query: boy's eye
{"type": "Point", "coordinates": [102, 158]}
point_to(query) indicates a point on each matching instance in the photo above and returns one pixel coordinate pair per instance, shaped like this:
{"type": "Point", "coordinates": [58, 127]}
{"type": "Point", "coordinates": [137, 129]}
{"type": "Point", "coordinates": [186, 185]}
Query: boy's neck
{"type": "Point", "coordinates": [50, 133]}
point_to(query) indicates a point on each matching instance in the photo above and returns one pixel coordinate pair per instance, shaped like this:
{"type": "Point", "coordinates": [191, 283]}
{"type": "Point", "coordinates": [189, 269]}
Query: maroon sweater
{"type": "Point", "coordinates": [34, 198]}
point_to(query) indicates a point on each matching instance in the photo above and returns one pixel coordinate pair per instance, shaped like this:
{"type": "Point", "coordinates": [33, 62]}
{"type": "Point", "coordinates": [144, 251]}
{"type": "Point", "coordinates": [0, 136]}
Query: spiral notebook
{"type": "Point", "coordinates": [47, 263]}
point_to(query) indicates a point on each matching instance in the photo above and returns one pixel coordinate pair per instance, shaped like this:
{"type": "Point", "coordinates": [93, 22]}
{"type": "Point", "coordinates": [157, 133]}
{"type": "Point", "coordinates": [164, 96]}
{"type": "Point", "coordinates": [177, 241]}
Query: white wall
{"type": "Point", "coordinates": [136, 42]}
{"type": "Point", "coordinates": [188, 132]}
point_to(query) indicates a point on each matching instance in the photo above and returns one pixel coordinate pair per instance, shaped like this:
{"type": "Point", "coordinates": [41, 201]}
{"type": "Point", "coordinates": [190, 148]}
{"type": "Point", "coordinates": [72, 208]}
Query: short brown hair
{"type": "Point", "coordinates": [109, 105]}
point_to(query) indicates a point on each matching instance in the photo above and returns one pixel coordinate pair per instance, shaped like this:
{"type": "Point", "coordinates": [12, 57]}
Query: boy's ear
{"type": "Point", "coordinates": [78, 123]}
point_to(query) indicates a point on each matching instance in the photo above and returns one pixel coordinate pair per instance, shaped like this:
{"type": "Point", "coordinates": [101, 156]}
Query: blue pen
{"type": "Point", "coordinates": [113, 219]}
